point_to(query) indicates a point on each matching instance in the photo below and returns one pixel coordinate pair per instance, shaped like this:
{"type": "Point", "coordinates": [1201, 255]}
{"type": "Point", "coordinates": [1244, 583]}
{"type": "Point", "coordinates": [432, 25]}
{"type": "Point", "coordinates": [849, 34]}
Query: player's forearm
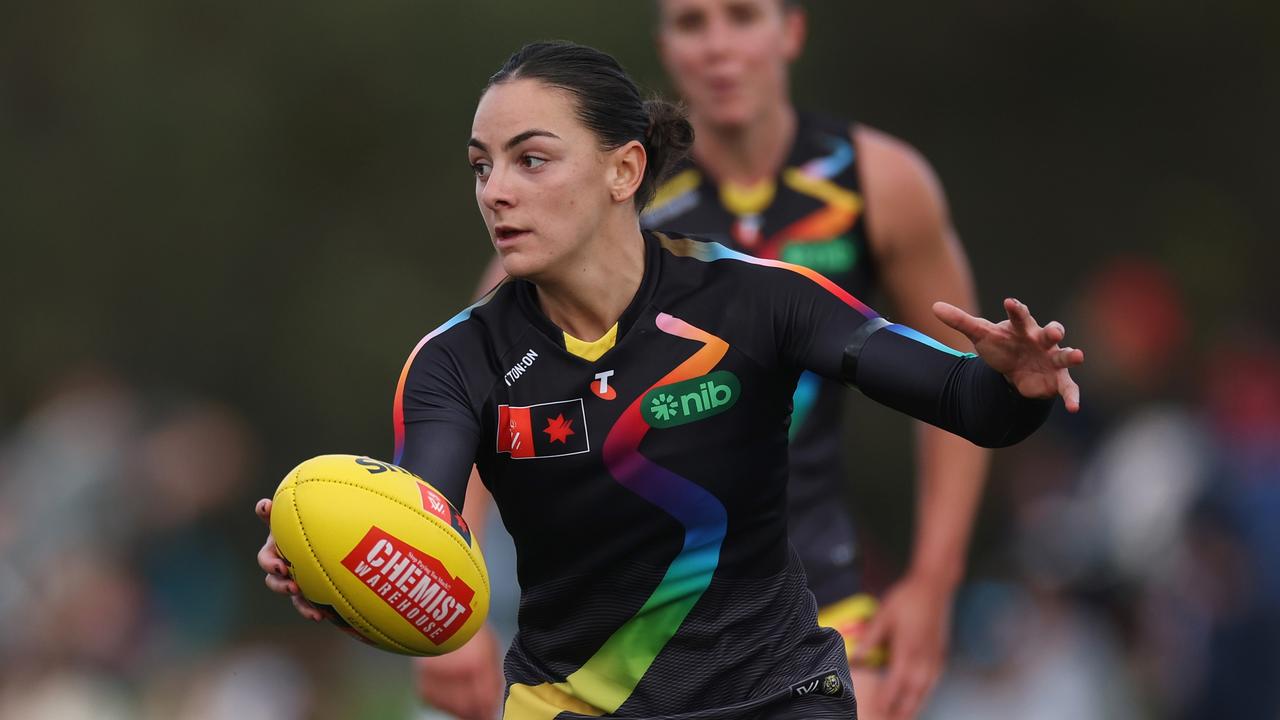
{"type": "Point", "coordinates": [903, 370]}
{"type": "Point", "coordinates": [478, 503]}
{"type": "Point", "coordinates": [951, 473]}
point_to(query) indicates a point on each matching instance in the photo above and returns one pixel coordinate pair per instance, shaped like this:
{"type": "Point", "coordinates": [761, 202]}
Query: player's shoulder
{"type": "Point", "coordinates": [691, 252]}
{"type": "Point", "coordinates": [474, 337]}
{"type": "Point", "coordinates": [675, 196]}
{"type": "Point", "coordinates": [904, 196]}
{"type": "Point", "coordinates": [817, 124]}
{"type": "Point", "coordinates": [716, 268]}
{"type": "Point", "coordinates": [892, 165]}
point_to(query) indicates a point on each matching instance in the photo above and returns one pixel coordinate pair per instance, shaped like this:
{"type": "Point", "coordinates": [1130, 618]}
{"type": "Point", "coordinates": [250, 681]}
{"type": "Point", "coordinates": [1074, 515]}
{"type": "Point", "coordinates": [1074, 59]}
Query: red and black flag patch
{"type": "Point", "coordinates": [544, 430]}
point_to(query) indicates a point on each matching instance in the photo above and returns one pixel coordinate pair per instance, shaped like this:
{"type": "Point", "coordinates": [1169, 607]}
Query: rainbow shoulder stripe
{"type": "Point", "coordinates": [707, 251]}
{"type": "Point", "coordinates": [397, 411]}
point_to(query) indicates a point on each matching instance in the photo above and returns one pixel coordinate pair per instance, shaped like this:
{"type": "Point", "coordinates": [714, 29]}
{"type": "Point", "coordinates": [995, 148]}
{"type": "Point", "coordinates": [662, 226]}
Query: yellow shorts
{"type": "Point", "coordinates": [850, 617]}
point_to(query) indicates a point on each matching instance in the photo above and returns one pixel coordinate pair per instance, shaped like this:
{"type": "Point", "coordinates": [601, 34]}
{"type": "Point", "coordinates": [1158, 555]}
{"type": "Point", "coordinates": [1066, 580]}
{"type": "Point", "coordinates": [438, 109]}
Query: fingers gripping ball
{"type": "Point", "coordinates": [384, 551]}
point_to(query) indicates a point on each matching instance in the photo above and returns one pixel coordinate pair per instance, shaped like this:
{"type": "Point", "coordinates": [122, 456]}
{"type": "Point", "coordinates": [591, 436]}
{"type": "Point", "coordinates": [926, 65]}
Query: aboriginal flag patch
{"type": "Point", "coordinates": [544, 430]}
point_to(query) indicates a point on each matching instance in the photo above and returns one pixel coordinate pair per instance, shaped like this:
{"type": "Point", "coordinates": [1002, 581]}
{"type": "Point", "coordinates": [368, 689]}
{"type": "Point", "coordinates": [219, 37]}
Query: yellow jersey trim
{"type": "Point", "coordinates": [591, 351]}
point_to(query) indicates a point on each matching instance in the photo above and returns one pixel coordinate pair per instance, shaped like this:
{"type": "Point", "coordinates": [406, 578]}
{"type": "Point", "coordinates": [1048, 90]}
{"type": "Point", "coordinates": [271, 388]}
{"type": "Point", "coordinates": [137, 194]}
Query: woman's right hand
{"type": "Point", "coordinates": [277, 570]}
{"type": "Point", "coordinates": [466, 683]}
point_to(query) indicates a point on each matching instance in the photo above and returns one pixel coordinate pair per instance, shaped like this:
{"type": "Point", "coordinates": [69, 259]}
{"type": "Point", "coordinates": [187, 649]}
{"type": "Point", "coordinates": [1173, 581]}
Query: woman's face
{"type": "Point", "coordinates": [729, 58]}
{"type": "Point", "coordinates": [542, 182]}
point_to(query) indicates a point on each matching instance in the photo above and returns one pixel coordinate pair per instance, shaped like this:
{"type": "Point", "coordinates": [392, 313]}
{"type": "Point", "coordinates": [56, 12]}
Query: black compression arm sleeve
{"type": "Point", "coordinates": [440, 428]}
{"type": "Point", "coordinates": [960, 394]}
{"type": "Point", "coordinates": [442, 454]}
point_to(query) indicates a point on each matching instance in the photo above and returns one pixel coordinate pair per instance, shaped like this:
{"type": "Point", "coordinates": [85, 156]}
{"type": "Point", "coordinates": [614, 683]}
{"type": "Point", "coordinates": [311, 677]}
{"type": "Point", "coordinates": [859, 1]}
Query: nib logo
{"type": "Point", "coordinates": [690, 400]}
{"type": "Point", "coordinates": [664, 407]}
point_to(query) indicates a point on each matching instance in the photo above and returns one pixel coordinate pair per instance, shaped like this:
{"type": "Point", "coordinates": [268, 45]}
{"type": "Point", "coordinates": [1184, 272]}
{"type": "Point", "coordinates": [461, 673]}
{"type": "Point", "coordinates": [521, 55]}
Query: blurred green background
{"type": "Point", "coordinates": [264, 206]}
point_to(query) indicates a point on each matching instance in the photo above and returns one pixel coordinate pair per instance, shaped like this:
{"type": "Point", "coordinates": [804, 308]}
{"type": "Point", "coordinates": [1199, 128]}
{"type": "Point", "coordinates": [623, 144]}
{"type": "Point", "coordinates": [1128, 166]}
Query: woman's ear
{"type": "Point", "coordinates": [796, 30]}
{"type": "Point", "coordinates": [626, 171]}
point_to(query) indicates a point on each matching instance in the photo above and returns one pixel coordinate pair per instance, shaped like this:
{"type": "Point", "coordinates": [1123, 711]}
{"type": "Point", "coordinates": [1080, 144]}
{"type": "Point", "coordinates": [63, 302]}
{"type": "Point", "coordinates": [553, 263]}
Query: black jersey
{"type": "Point", "coordinates": [645, 490]}
{"type": "Point", "coordinates": [811, 214]}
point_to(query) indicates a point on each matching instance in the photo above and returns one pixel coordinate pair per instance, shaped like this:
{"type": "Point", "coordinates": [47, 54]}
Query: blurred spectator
{"type": "Point", "coordinates": [1144, 528]}
{"type": "Point", "coordinates": [1028, 654]}
{"type": "Point", "coordinates": [113, 556]}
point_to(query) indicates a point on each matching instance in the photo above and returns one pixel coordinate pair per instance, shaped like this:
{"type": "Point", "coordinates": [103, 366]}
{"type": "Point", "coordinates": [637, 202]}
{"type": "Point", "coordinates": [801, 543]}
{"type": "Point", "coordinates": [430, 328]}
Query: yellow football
{"type": "Point", "coordinates": [384, 551]}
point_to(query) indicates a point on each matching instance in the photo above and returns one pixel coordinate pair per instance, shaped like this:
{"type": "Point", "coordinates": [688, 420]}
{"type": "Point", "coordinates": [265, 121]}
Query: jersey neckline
{"type": "Point", "coordinates": [527, 299]}
{"type": "Point", "coordinates": [797, 155]}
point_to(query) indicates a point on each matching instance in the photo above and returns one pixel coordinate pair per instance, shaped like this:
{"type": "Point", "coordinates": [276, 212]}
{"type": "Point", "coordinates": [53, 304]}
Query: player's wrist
{"type": "Point", "coordinates": [941, 577]}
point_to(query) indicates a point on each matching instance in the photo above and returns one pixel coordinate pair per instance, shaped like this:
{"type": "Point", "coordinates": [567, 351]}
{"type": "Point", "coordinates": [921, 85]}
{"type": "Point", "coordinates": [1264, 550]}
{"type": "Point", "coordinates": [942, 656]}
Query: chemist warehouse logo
{"type": "Point", "coordinates": [690, 400]}
{"type": "Point", "coordinates": [414, 584]}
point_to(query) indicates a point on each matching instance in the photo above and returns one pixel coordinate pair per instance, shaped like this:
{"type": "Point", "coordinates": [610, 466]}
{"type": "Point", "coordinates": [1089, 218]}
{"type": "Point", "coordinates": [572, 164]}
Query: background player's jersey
{"type": "Point", "coordinates": [811, 214]}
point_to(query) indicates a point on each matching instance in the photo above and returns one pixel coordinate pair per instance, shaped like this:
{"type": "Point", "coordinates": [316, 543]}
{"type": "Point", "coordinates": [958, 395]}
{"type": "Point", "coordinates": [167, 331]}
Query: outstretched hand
{"type": "Point", "coordinates": [1027, 354]}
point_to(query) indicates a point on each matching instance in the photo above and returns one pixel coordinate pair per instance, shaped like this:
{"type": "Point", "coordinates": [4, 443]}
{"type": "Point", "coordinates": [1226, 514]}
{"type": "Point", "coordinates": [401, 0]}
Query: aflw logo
{"type": "Point", "coordinates": [690, 400]}
{"type": "Point", "coordinates": [415, 585]}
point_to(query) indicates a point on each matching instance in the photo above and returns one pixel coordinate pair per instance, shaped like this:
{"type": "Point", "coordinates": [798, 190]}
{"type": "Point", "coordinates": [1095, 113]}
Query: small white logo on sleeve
{"type": "Point", "coordinates": [521, 367]}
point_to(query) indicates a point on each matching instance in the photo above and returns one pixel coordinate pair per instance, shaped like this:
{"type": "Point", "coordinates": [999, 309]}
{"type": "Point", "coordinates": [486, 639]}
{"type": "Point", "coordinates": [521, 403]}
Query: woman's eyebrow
{"type": "Point", "coordinates": [515, 140]}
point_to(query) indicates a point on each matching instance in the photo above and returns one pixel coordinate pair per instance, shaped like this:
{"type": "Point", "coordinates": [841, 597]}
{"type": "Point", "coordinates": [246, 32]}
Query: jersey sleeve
{"type": "Point", "coordinates": [436, 426]}
{"type": "Point", "coordinates": [821, 327]}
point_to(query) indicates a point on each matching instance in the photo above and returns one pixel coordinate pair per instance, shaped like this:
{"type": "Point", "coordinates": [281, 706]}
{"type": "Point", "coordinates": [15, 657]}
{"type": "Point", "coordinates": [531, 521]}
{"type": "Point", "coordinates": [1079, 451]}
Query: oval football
{"type": "Point", "coordinates": [384, 550]}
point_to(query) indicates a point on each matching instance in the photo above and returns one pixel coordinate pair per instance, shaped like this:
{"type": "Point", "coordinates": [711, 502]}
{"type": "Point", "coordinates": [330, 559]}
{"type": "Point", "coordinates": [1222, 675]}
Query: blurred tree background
{"type": "Point", "coordinates": [269, 204]}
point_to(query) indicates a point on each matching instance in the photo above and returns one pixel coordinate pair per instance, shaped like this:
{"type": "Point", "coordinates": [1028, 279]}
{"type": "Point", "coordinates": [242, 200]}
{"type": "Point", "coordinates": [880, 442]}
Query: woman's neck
{"type": "Point", "coordinates": [745, 154]}
{"type": "Point", "coordinates": [590, 292]}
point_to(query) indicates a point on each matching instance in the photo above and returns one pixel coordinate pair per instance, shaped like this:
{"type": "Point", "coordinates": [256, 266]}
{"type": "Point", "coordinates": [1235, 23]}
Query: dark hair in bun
{"type": "Point", "coordinates": [609, 104]}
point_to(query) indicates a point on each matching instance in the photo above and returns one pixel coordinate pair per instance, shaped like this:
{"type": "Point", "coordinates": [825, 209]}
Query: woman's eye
{"type": "Point", "coordinates": [742, 15]}
{"type": "Point", "coordinates": [532, 162]}
{"type": "Point", "coordinates": [690, 22]}
{"type": "Point", "coordinates": [481, 169]}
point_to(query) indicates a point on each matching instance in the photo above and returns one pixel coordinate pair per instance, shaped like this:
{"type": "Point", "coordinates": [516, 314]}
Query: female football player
{"type": "Point", "coordinates": [626, 397]}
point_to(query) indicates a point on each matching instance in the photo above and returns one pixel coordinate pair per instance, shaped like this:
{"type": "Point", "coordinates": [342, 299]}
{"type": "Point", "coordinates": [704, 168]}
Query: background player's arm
{"type": "Point", "coordinates": [920, 260]}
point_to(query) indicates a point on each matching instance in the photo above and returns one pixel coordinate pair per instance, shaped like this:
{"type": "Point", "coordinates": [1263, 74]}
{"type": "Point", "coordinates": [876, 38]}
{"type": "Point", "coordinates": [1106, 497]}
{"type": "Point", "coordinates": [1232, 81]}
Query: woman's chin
{"type": "Point", "coordinates": [520, 265]}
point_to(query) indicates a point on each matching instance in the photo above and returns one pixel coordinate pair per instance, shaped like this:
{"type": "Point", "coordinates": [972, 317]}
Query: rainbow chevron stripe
{"type": "Point", "coordinates": [608, 677]}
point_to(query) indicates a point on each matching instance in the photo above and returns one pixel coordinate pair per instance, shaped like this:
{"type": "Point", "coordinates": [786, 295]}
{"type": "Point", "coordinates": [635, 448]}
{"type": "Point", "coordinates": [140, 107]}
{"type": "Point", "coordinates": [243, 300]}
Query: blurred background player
{"type": "Point", "coordinates": [864, 209]}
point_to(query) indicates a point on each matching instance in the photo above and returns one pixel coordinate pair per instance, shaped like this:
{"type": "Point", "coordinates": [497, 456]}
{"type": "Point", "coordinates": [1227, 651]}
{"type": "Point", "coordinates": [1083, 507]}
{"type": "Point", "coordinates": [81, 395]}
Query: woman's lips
{"type": "Point", "coordinates": [506, 235]}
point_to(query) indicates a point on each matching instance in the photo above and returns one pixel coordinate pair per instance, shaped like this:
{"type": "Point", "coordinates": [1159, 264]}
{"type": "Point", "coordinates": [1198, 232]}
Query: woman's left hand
{"type": "Point", "coordinates": [1020, 349]}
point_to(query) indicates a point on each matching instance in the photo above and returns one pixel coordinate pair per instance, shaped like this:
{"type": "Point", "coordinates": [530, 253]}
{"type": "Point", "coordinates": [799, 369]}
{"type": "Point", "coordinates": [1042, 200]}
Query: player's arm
{"type": "Point", "coordinates": [993, 400]}
{"type": "Point", "coordinates": [437, 429]}
{"type": "Point", "coordinates": [478, 499]}
{"type": "Point", "coordinates": [437, 434]}
{"type": "Point", "coordinates": [467, 683]}
{"type": "Point", "coordinates": [919, 259]}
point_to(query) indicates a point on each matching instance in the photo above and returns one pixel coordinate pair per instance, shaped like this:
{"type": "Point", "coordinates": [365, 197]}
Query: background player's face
{"type": "Point", "coordinates": [541, 179]}
{"type": "Point", "coordinates": [729, 58]}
